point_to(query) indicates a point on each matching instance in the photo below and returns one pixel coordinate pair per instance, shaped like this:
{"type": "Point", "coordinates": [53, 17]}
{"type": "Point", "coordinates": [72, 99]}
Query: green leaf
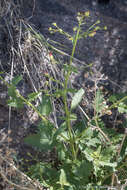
{"type": "Point", "coordinates": [88, 152]}
{"type": "Point", "coordinates": [59, 93]}
{"type": "Point", "coordinates": [70, 68]}
{"type": "Point", "coordinates": [93, 142]}
{"type": "Point", "coordinates": [60, 130]}
{"type": "Point", "coordinates": [61, 152]}
{"type": "Point", "coordinates": [77, 98]}
{"type": "Point", "coordinates": [115, 97]}
{"type": "Point", "coordinates": [99, 102]}
{"type": "Point", "coordinates": [72, 90]}
{"type": "Point", "coordinates": [43, 139]}
{"type": "Point", "coordinates": [63, 180]}
{"type": "Point", "coordinates": [17, 103]}
{"type": "Point", "coordinates": [16, 80]}
{"type": "Point", "coordinates": [73, 117]}
{"type": "Point", "coordinates": [122, 108]}
{"type": "Point", "coordinates": [113, 165]}
{"type": "Point", "coordinates": [33, 96]}
{"type": "Point", "coordinates": [84, 170]}
{"type": "Point", "coordinates": [12, 91]}
{"type": "Point", "coordinates": [45, 107]}
{"type": "Point", "coordinates": [87, 133]}
{"type": "Point", "coordinates": [34, 140]}
{"type": "Point", "coordinates": [12, 103]}
{"type": "Point", "coordinates": [47, 132]}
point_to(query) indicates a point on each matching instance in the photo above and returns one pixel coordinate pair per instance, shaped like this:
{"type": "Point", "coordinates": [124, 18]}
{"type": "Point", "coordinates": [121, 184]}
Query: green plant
{"type": "Point", "coordinates": [87, 152]}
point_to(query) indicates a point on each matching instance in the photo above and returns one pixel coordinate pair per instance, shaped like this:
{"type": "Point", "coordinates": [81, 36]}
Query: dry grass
{"type": "Point", "coordinates": [24, 53]}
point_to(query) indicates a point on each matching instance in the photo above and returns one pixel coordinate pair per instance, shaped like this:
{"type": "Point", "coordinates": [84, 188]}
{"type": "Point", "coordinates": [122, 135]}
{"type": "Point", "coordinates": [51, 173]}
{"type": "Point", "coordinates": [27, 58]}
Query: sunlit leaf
{"type": "Point", "coordinates": [113, 165]}
{"type": "Point", "coordinates": [122, 108]}
{"type": "Point", "coordinates": [45, 107]}
{"type": "Point", "coordinates": [63, 180]}
{"type": "Point", "coordinates": [77, 98]}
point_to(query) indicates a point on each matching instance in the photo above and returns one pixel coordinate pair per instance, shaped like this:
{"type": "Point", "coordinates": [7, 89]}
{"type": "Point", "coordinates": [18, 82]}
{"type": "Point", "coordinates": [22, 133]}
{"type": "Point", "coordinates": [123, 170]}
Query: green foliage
{"type": "Point", "coordinates": [119, 101]}
{"type": "Point", "coordinates": [45, 107]}
{"type": "Point", "coordinates": [99, 102]}
{"type": "Point", "coordinates": [77, 98]}
{"type": "Point", "coordinates": [14, 100]}
{"type": "Point", "coordinates": [43, 139]}
{"type": "Point", "coordinates": [33, 96]}
{"type": "Point", "coordinates": [86, 152]}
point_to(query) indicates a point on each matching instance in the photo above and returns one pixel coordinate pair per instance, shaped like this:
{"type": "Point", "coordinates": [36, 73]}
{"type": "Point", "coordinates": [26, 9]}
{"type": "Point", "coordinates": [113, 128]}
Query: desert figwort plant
{"type": "Point", "coordinates": [78, 34]}
{"type": "Point", "coordinates": [86, 154]}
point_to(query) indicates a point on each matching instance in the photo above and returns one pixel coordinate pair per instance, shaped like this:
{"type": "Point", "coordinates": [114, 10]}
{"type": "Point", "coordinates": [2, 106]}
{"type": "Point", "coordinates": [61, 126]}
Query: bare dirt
{"type": "Point", "coordinates": [107, 50]}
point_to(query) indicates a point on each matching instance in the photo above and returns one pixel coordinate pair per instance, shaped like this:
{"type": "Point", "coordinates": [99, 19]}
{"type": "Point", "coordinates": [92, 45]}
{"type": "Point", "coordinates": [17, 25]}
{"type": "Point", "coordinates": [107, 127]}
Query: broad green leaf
{"type": "Point", "coordinates": [84, 170]}
{"type": "Point", "coordinates": [16, 80]}
{"type": "Point", "coordinates": [34, 140]}
{"type": "Point", "coordinates": [45, 107]}
{"type": "Point", "coordinates": [46, 130]}
{"type": "Point", "coordinates": [63, 180]}
{"type": "Point", "coordinates": [43, 139]}
{"type": "Point", "coordinates": [61, 152]}
{"type": "Point", "coordinates": [77, 98]}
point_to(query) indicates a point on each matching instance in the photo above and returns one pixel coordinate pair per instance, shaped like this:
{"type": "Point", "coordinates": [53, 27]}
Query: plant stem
{"type": "Point", "coordinates": [101, 131]}
{"type": "Point", "coordinates": [119, 151]}
{"type": "Point", "coordinates": [67, 111]}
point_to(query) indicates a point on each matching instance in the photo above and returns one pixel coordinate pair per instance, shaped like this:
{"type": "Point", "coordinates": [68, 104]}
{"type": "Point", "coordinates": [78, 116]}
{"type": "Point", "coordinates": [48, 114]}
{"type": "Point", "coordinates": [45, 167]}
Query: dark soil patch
{"type": "Point", "coordinates": [107, 50]}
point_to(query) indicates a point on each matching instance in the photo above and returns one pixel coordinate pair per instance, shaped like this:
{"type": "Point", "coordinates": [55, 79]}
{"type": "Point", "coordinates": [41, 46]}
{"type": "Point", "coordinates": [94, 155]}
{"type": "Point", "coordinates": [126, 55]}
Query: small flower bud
{"type": "Point", "coordinates": [105, 27]}
{"type": "Point", "coordinates": [92, 34]}
{"type": "Point", "coordinates": [50, 29]}
{"type": "Point", "coordinates": [54, 24]}
{"type": "Point", "coordinates": [87, 13]}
